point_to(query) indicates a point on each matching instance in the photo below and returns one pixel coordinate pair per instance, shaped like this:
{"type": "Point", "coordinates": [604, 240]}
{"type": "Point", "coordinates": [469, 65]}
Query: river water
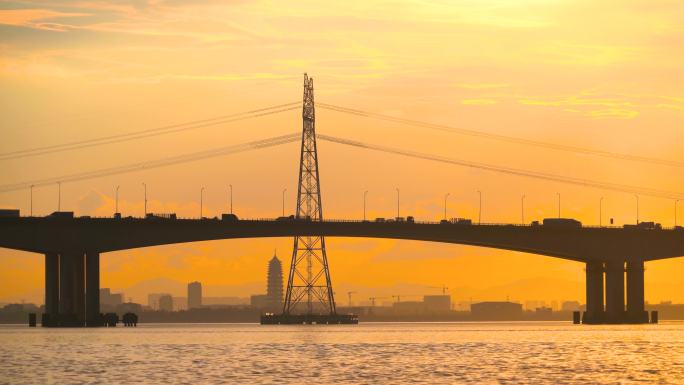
{"type": "Point", "coordinates": [371, 353]}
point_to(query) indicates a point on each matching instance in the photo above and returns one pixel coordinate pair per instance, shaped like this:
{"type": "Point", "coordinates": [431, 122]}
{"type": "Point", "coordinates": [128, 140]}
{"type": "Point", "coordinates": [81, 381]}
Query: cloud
{"type": "Point", "coordinates": [478, 102]}
{"type": "Point", "coordinates": [90, 202]}
{"type": "Point", "coordinates": [591, 105]}
{"type": "Point", "coordinates": [481, 86]}
{"type": "Point", "coordinates": [32, 18]}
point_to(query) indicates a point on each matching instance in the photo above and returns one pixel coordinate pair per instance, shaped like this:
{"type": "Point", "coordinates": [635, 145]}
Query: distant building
{"type": "Point", "coordinates": [543, 311]}
{"type": "Point", "coordinates": [274, 287]}
{"type": "Point", "coordinates": [153, 300]}
{"type": "Point", "coordinates": [409, 307]}
{"type": "Point", "coordinates": [496, 310]}
{"type": "Point", "coordinates": [20, 307]}
{"type": "Point", "coordinates": [181, 303]}
{"type": "Point", "coordinates": [128, 307]}
{"type": "Point", "coordinates": [194, 295]}
{"type": "Point", "coordinates": [570, 306]}
{"type": "Point", "coordinates": [166, 302]}
{"type": "Point", "coordinates": [260, 301]}
{"type": "Point", "coordinates": [272, 301]}
{"type": "Point", "coordinates": [224, 301]}
{"type": "Point", "coordinates": [109, 300]}
{"type": "Point", "coordinates": [437, 303]}
{"type": "Point", "coordinates": [531, 305]}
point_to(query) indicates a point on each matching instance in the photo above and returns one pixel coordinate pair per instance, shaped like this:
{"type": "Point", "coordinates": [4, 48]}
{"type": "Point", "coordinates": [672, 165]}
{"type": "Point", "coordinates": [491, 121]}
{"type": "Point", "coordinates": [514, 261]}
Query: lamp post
{"type": "Point", "coordinates": [445, 205]}
{"type": "Point", "coordinates": [145, 187]}
{"type": "Point", "coordinates": [676, 201]}
{"type": "Point", "coordinates": [31, 188]}
{"type": "Point", "coordinates": [116, 205]}
{"type": "Point", "coordinates": [397, 188]}
{"type": "Point", "coordinates": [201, 200]}
{"type": "Point", "coordinates": [364, 204]}
{"type": "Point", "coordinates": [285, 189]}
{"type": "Point", "coordinates": [231, 198]}
{"type": "Point", "coordinates": [479, 212]}
{"type": "Point", "coordinates": [522, 209]}
{"type": "Point", "coordinates": [637, 207]}
{"type": "Point", "coordinates": [601, 212]}
{"type": "Point", "coordinates": [558, 205]}
{"type": "Point", "coordinates": [59, 196]}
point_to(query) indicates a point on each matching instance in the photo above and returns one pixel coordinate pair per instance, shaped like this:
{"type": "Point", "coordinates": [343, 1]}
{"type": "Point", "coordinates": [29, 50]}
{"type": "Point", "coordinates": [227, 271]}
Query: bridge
{"type": "Point", "coordinates": [72, 248]}
{"type": "Point", "coordinates": [613, 256]}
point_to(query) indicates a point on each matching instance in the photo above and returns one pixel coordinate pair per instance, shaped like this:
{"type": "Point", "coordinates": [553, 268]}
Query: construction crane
{"type": "Point", "coordinates": [443, 288]}
{"type": "Point", "coordinates": [398, 296]}
{"type": "Point", "coordinates": [372, 299]}
{"type": "Point", "coordinates": [349, 294]}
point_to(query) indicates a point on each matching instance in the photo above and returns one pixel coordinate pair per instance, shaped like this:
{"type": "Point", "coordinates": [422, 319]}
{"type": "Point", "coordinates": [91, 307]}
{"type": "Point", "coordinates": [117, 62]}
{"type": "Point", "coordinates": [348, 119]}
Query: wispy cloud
{"type": "Point", "coordinates": [37, 18]}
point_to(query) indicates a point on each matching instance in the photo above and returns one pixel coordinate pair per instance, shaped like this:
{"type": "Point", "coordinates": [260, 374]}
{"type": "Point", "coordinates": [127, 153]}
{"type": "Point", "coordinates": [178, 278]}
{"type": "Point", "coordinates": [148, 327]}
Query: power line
{"type": "Point", "coordinates": [139, 166]}
{"type": "Point", "coordinates": [508, 170]}
{"type": "Point", "coordinates": [149, 132]}
{"type": "Point", "coordinates": [504, 138]}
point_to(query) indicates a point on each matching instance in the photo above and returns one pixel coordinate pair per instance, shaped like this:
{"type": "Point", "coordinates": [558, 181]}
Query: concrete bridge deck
{"type": "Point", "coordinates": [582, 244]}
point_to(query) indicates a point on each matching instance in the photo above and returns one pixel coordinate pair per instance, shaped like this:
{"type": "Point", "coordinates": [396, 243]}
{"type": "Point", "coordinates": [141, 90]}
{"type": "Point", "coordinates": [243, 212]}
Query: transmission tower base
{"type": "Point", "coordinates": [309, 319]}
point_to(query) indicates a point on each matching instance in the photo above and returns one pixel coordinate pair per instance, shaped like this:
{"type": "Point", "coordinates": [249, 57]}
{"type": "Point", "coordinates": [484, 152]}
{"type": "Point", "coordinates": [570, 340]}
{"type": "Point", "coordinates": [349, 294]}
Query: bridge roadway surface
{"type": "Point", "coordinates": [585, 244]}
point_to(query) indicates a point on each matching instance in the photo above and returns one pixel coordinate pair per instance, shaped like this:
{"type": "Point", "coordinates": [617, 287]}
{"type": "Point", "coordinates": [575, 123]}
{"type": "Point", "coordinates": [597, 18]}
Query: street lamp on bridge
{"type": "Point", "coordinates": [59, 196]}
{"type": "Point", "coordinates": [31, 188]}
{"type": "Point", "coordinates": [676, 201]}
{"type": "Point", "coordinates": [637, 207]}
{"type": "Point", "coordinates": [231, 198]}
{"type": "Point", "coordinates": [145, 187]}
{"type": "Point", "coordinates": [445, 205]}
{"type": "Point", "coordinates": [601, 212]}
{"type": "Point", "coordinates": [201, 200]}
{"type": "Point", "coordinates": [522, 209]}
{"type": "Point", "coordinates": [285, 189]}
{"type": "Point", "coordinates": [116, 199]}
{"type": "Point", "coordinates": [479, 212]}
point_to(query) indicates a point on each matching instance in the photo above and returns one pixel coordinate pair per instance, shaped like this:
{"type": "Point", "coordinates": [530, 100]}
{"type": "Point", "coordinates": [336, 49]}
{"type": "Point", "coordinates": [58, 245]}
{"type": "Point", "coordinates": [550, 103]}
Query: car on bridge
{"type": "Point", "coordinates": [9, 213]}
{"type": "Point", "coordinates": [229, 217]}
{"type": "Point", "coordinates": [562, 222]}
{"type": "Point", "coordinates": [456, 221]}
{"type": "Point", "coordinates": [645, 226]}
{"type": "Point", "coordinates": [62, 214]}
{"type": "Point", "coordinates": [161, 216]}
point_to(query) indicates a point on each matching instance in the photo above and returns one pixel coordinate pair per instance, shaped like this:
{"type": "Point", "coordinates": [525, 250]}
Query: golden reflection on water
{"type": "Point", "coordinates": [534, 353]}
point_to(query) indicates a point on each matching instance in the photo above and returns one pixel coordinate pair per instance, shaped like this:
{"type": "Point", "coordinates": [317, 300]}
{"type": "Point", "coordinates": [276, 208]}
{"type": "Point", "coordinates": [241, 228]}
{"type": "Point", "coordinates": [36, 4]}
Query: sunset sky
{"type": "Point", "coordinates": [603, 75]}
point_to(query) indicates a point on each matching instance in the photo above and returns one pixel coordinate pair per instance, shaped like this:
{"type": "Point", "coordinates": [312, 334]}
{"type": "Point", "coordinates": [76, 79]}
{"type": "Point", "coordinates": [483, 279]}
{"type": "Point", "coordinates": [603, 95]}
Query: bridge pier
{"type": "Point", "coordinates": [93, 289]}
{"type": "Point", "coordinates": [51, 288]}
{"type": "Point", "coordinates": [615, 291]}
{"type": "Point", "coordinates": [72, 289]}
{"type": "Point", "coordinates": [66, 297]}
{"type": "Point", "coordinates": [594, 293]}
{"type": "Point", "coordinates": [636, 312]}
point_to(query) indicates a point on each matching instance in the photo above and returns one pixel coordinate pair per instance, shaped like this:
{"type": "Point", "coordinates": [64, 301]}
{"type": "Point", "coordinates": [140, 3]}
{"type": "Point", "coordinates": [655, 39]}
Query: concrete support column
{"type": "Point", "coordinates": [635, 292]}
{"type": "Point", "coordinates": [79, 288]}
{"type": "Point", "coordinates": [92, 289]}
{"type": "Point", "coordinates": [72, 289]}
{"type": "Point", "coordinates": [66, 278]}
{"type": "Point", "coordinates": [594, 292]}
{"type": "Point", "coordinates": [51, 287]}
{"type": "Point", "coordinates": [615, 291]}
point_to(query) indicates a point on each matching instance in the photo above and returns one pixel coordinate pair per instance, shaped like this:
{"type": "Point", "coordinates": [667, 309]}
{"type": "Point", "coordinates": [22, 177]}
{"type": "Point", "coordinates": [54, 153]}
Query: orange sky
{"type": "Point", "coordinates": [605, 76]}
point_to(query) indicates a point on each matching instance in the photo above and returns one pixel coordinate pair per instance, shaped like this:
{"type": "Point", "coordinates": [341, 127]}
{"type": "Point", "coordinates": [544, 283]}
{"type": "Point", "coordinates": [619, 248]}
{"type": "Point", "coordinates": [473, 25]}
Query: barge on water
{"type": "Point", "coordinates": [309, 319]}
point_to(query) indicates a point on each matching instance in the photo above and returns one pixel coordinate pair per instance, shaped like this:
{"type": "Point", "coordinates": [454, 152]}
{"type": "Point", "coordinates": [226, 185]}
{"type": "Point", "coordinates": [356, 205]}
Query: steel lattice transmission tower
{"type": "Point", "coordinates": [309, 290]}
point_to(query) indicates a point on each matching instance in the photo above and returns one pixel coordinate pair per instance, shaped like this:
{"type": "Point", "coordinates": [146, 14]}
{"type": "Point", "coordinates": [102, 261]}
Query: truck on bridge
{"type": "Point", "coordinates": [561, 222]}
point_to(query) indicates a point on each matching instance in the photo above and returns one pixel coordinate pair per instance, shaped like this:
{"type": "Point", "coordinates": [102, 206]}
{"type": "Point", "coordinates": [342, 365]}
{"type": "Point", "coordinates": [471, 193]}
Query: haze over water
{"type": "Point", "coordinates": [455, 353]}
